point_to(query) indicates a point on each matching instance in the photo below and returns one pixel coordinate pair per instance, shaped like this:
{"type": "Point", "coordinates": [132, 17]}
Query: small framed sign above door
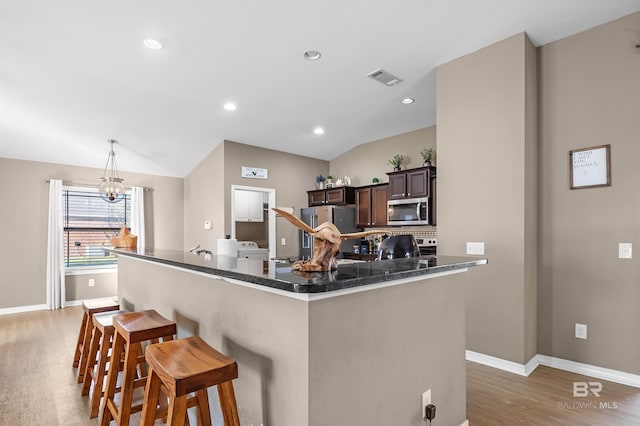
{"type": "Point", "coordinates": [590, 167]}
{"type": "Point", "coordinates": [254, 173]}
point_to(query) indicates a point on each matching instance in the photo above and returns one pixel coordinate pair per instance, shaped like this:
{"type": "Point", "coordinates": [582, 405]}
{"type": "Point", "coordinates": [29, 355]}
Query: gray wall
{"type": "Point", "coordinates": [204, 200]}
{"type": "Point", "coordinates": [23, 223]}
{"type": "Point", "coordinates": [487, 189]}
{"type": "Point", "coordinates": [77, 286]}
{"type": "Point", "coordinates": [370, 160]}
{"type": "Point", "coordinates": [590, 95]}
{"type": "Point", "coordinates": [374, 353]}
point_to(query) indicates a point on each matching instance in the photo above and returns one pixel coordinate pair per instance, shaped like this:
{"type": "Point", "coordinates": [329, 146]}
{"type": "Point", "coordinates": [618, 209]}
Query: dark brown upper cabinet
{"type": "Point", "coordinates": [413, 183]}
{"type": "Point", "coordinates": [371, 206]}
{"type": "Point", "coordinates": [339, 196]}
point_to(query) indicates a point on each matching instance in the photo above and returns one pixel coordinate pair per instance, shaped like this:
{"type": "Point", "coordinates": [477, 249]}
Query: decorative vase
{"type": "Point", "coordinates": [319, 185]}
{"type": "Point", "coordinates": [396, 168]}
{"type": "Point", "coordinates": [427, 164]}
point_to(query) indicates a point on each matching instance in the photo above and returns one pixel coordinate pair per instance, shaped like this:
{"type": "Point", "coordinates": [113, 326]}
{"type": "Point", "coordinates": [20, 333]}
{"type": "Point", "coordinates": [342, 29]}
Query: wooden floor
{"type": "Point", "coordinates": [38, 385]}
{"type": "Point", "coordinates": [495, 397]}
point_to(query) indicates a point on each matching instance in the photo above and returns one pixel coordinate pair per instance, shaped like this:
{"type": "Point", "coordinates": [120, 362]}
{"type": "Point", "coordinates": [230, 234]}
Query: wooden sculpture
{"type": "Point", "coordinates": [326, 243]}
{"type": "Point", "coordinates": [125, 240]}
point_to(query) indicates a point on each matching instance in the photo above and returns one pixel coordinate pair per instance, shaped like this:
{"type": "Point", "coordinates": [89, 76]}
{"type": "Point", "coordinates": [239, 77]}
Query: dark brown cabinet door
{"type": "Point", "coordinates": [335, 196]}
{"type": "Point", "coordinates": [397, 186]}
{"type": "Point", "coordinates": [379, 205]}
{"type": "Point", "coordinates": [316, 198]}
{"type": "Point", "coordinates": [417, 183]}
{"type": "Point", "coordinates": [363, 207]}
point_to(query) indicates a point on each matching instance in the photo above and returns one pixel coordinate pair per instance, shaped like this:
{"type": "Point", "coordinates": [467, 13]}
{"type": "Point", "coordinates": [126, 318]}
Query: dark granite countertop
{"type": "Point", "coordinates": [280, 276]}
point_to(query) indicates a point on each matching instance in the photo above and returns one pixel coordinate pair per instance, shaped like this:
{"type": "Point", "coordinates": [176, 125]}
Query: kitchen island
{"type": "Point", "coordinates": [355, 346]}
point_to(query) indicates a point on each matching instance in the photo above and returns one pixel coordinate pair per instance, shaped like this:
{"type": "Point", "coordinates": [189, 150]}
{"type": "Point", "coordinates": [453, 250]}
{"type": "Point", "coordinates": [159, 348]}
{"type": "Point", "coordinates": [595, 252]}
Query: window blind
{"type": "Point", "coordinates": [89, 224]}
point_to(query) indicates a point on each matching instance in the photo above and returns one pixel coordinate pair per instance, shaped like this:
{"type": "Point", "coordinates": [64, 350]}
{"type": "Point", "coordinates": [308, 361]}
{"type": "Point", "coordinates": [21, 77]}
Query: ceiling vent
{"type": "Point", "coordinates": [384, 77]}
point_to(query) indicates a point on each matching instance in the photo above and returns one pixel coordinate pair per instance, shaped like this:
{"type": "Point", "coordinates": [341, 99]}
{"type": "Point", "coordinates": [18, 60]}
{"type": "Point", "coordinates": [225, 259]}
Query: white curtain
{"type": "Point", "coordinates": [137, 215]}
{"type": "Point", "coordinates": [55, 247]}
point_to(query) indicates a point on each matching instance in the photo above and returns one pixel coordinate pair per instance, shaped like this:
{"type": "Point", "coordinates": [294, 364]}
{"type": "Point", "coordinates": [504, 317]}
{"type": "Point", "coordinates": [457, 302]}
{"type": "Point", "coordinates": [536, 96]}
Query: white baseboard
{"type": "Point", "coordinates": [615, 376]}
{"type": "Point", "coordinates": [20, 309]}
{"type": "Point", "coordinates": [73, 303]}
{"type": "Point", "coordinates": [503, 364]}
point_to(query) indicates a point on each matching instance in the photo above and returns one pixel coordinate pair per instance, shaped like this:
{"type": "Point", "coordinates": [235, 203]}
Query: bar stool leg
{"type": "Point", "coordinates": [112, 379]}
{"type": "Point", "coordinates": [84, 355]}
{"type": "Point", "coordinates": [151, 393]}
{"type": "Point", "coordinates": [228, 404]}
{"type": "Point", "coordinates": [128, 377]}
{"type": "Point", "coordinates": [102, 367]}
{"type": "Point", "coordinates": [177, 410]}
{"type": "Point", "coordinates": [91, 360]}
{"type": "Point", "coordinates": [83, 325]}
{"type": "Point", "coordinates": [204, 414]}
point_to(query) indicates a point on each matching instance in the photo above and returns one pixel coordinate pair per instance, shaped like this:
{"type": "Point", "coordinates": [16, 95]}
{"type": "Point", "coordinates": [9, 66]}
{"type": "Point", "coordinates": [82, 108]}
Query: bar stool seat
{"type": "Point", "coordinates": [90, 308]}
{"type": "Point", "coordinates": [184, 366]}
{"type": "Point", "coordinates": [98, 358]}
{"type": "Point", "coordinates": [131, 329]}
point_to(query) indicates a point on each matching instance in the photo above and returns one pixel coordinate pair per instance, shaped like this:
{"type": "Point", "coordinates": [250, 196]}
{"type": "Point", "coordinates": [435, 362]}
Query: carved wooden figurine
{"type": "Point", "coordinates": [326, 243]}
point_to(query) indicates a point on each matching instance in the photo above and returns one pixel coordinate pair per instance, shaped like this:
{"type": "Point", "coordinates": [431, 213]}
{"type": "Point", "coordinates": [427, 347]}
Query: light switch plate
{"type": "Point", "coordinates": [625, 251]}
{"type": "Point", "coordinates": [475, 248]}
{"type": "Point", "coordinates": [581, 331]}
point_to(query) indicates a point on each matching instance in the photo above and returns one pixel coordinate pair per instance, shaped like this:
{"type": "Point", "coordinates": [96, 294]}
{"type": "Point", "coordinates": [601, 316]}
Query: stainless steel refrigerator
{"type": "Point", "coordinates": [344, 218]}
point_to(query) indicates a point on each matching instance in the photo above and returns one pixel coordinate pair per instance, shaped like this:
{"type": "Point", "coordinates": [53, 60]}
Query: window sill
{"type": "Point", "coordinates": [91, 270]}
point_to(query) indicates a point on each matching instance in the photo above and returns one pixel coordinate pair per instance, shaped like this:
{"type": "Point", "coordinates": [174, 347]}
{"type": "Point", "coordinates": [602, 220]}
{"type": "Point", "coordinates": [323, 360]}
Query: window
{"type": "Point", "coordinates": [89, 224]}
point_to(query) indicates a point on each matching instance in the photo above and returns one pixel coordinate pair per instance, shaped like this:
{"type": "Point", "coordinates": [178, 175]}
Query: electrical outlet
{"type": "Point", "coordinates": [283, 241]}
{"type": "Point", "coordinates": [426, 400]}
{"type": "Point", "coordinates": [625, 251]}
{"type": "Point", "coordinates": [475, 248]}
{"type": "Point", "coordinates": [92, 282]}
{"type": "Point", "coordinates": [581, 331]}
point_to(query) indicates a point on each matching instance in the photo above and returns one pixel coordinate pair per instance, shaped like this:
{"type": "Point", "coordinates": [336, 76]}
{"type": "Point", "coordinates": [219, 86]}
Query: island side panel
{"type": "Point", "coordinates": [265, 333]}
{"type": "Point", "coordinates": [372, 354]}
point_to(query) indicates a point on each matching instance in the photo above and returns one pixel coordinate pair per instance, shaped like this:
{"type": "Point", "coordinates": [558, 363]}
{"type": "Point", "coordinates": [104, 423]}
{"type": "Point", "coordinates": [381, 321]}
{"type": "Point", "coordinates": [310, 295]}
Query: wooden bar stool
{"type": "Point", "coordinates": [184, 366]}
{"type": "Point", "coordinates": [98, 358]}
{"type": "Point", "coordinates": [90, 308]}
{"type": "Point", "coordinates": [131, 329]}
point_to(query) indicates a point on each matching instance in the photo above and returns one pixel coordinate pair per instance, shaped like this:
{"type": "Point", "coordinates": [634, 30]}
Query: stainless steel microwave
{"type": "Point", "coordinates": [410, 211]}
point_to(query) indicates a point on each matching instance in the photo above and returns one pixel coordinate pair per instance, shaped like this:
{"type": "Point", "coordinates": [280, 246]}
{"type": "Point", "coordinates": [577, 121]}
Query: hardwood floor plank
{"type": "Point", "coordinates": [495, 397]}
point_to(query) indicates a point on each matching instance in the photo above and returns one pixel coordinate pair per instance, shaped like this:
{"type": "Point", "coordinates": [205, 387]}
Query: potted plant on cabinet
{"type": "Point", "coordinates": [397, 161]}
{"type": "Point", "coordinates": [329, 183]}
{"type": "Point", "coordinates": [427, 156]}
{"type": "Point", "coordinates": [320, 182]}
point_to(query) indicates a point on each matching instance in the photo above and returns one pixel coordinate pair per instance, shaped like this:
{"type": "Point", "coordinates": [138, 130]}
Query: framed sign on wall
{"type": "Point", "coordinates": [254, 173]}
{"type": "Point", "coordinates": [590, 167]}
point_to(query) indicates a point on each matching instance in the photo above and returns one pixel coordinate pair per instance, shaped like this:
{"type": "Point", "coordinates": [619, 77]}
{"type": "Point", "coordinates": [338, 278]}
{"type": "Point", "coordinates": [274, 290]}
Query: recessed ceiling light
{"type": "Point", "coordinates": [152, 44]}
{"type": "Point", "coordinates": [312, 55]}
{"type": "Point", "coordinates": [230, 106]}
{"type": "Point", "coordinates": [318, 131]}
{"type": "Point", "coordinates": [407, 101]}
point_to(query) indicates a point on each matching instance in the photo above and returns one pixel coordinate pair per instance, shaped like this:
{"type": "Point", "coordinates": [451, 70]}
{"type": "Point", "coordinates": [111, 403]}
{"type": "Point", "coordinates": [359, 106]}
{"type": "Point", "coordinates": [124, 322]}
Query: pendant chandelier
{"type": "Point", "coordinates": [111, 189]}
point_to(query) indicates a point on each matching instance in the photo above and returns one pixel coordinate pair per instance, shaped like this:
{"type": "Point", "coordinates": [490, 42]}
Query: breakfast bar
{"type": "Point", "coordinates": [358, 345]}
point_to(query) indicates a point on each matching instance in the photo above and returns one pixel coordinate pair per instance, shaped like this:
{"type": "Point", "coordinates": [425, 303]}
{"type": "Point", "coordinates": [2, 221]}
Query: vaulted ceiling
{"type": "Point", "coordinates": [75, 73]}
